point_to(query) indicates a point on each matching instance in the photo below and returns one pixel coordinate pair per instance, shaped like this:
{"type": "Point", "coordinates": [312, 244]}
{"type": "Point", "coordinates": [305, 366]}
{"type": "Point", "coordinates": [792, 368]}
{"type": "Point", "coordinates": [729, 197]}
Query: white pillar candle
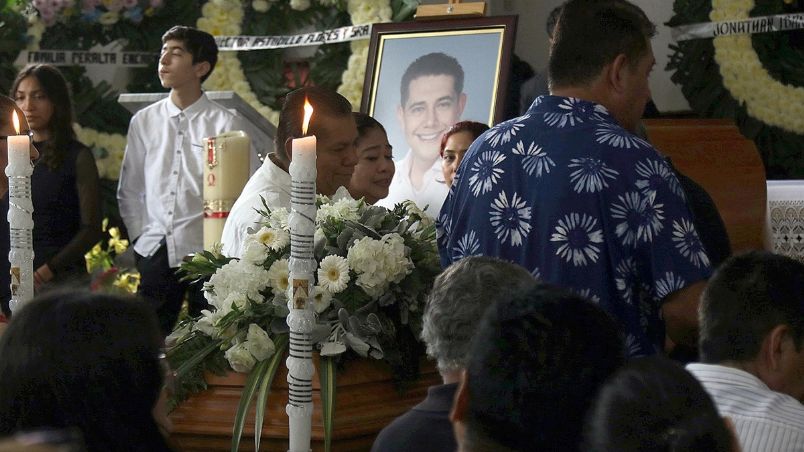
{"type": "Point", "coordinates": [302, 266]}
{"type": "Point", "coordinates": [225, 175]}
{"type": "Point", "coordinates": [20, 218]}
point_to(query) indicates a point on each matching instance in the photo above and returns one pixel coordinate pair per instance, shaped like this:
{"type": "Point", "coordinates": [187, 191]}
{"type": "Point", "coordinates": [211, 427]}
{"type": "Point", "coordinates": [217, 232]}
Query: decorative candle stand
{"type": "Point", "coordinates": [302, 266]}
{"type": "Point", "coordinates": [20, 210]}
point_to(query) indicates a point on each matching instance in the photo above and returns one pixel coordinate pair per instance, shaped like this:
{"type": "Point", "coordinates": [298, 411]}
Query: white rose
{"type": "Point", "coordinates": [258, 343]}
{"type": "Point", "coordinates": [240, 359]}
{"type": "Point", "coordinates": [254, 252]}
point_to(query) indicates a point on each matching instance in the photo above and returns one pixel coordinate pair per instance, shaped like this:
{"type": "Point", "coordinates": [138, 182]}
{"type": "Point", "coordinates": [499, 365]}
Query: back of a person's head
{"type": "Point", "coordinates": [749, 295]}
{"type": "Point", "coordinates": [86, 361]}
{"type": "Point", "coordinates": [590, 34]}
{"type": "Point", "coordinates": [535, 366]}
{"type": "Point", "coordinates": [324, 101]}
{"type": "Point", "coordinates": [653, 404]}
{"type": "Point", "coordinates": [436, 63]}
{"type": "Point", "coordinates": [460, 296]}
{"type": "Point", "coordinates": [200, 44]}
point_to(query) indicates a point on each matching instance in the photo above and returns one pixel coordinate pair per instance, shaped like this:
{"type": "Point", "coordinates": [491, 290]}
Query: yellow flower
{"type": "Point", "coordinates": [119, 245]}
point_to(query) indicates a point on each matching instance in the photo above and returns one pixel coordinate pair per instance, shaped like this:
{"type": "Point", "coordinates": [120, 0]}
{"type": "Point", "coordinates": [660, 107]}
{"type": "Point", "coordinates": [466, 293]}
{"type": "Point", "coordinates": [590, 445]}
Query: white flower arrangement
{"type": "Point", "coordinates": [766, 99]}
{"type": "Point", "coordinates": [108, 149]}
{"type": "Point", "coordinates": [374, 268]}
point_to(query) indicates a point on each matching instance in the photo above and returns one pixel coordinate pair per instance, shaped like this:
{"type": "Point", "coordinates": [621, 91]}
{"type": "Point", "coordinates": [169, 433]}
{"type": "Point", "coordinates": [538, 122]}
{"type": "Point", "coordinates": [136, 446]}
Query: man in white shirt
{"type": "Point", "coordinates": [160, 192]}
{"type": "Point", "coordinates": [333, 125]}
{"type": "Point", "coordinates": [752, 349]}
{"type": "Point", "coordinates": [432, 100]}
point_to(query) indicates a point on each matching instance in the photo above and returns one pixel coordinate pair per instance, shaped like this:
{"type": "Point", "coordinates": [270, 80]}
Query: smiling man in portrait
{"type": "Point", "coordinates": [431, 100]}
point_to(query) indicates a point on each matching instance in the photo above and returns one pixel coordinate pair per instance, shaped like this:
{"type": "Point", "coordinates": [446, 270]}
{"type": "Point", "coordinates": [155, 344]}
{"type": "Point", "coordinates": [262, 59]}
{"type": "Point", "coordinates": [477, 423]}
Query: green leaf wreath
{"type": "Point", "coordinates": [775, 128]}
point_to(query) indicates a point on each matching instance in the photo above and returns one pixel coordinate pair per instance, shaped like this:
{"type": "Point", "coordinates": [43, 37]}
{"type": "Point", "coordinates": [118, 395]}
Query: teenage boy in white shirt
{"type": "Point", "coordinates": [160, 191]}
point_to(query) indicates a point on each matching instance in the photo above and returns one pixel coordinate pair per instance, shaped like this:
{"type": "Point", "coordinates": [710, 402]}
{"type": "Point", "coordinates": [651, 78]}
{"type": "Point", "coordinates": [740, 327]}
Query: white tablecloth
{"type": "Point", "coordinates": [784, 226]}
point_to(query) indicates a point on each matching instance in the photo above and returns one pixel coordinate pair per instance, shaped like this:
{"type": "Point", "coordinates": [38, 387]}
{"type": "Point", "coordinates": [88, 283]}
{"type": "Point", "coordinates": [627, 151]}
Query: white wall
{"type": "Point", "coordinates": [531, 42]}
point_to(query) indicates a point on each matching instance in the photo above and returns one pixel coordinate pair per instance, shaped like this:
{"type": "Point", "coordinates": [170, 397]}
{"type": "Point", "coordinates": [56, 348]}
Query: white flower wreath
{"type": "Point", "coordinates": [766, 99]}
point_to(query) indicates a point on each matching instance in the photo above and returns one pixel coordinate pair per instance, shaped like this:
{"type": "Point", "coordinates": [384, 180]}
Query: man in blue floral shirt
{"type": "Point", "coordinates": [569, 192]}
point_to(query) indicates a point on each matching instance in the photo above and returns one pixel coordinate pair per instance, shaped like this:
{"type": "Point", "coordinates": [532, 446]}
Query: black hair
{"type": "Point", "coordinates": [591, 34]}
{"type": "Point", "coordinates": [748, 296]}
{"type": "Point", "coordinates": [200, 44]}
{"type": "Point", "coordinates": [535, 366]}
{"type": "Point", "coordinates": [552, 20]}
{"type": "Point", "coordinates": [85, 361]}
{"type": "Point", "coordinates": [325, 101]}
{"type": "Point", "coordinates": [365, 123]}
{"type": "Point", "coordinates": [61, 123]}
{"type": "Point", "coordinates": [435, 63]}
{"type": "Point", "coordinates": [653, 404]}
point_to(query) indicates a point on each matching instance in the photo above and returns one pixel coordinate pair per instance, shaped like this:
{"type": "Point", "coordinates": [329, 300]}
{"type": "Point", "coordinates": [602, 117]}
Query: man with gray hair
{"type": "Point", "coordinates": [460, 296]}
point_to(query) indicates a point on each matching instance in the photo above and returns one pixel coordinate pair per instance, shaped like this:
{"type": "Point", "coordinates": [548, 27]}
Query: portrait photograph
{"type": "Point", "coordinates": [478, 45]}
{"type": "Point", "coordinates": [423, 77]}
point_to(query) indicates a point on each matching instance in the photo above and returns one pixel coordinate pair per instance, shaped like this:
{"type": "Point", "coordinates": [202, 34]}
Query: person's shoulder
{"type": "Point", "coordinates": [151, 112]}
{"type": "Point", "coordinates": [212, 107]}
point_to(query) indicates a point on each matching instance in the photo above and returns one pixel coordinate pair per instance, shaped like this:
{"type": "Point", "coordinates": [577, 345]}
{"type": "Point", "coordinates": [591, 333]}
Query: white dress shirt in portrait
{"type": "Point", "coordinates": [160, 192]}
{"type": "Point", "coordinates": [432, 194]}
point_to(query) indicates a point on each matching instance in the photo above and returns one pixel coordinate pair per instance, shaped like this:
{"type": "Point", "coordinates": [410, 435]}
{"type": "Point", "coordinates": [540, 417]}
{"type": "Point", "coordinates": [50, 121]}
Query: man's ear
{"type": "Point", "coordinates": [615, 73]}
{"type": "Point", "coordinates": [461, 104]}
{"type": "Point", "coordinates": [772, 347]}
{"type": "Point", "coordinates": [201, 69]}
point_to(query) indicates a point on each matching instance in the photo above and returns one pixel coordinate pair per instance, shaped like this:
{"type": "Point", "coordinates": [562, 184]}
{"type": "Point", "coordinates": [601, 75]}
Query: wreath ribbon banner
{"type": "Point", "coordinates": [332, 36]}
{"type": "Point", "coordinates": [763, 24]}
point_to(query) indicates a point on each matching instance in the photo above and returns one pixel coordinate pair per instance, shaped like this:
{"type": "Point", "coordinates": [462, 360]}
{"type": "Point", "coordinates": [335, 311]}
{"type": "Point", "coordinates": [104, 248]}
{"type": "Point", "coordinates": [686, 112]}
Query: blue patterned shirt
{"type": "Point", "coordinates": [580, 202]}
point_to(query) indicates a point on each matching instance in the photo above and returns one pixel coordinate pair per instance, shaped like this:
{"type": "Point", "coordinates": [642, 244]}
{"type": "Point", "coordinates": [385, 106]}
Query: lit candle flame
{"type": "Point", "coordinates": [308, 113]}
{"type": "Point", "coordinates": [16, 121]}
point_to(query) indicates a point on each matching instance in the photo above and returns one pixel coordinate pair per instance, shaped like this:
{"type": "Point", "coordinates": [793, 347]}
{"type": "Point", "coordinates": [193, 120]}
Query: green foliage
{"type": "Point", "coordinates": [327, 377]}
{"type": "Point", "coordinates": [12, 41]}
{"type": "Point", "coordinates": [695, 70]}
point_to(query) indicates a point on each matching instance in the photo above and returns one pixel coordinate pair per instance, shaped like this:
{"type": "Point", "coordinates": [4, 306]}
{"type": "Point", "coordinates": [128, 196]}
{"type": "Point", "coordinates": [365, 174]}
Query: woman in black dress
{"type": "Point", "coordinates": [65, 184]}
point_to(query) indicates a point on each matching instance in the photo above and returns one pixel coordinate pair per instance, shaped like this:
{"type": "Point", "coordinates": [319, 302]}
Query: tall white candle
{"type": "Point", "coordinates": [302, 266]}
{"type": "Point", "coordinates": [20, 218]}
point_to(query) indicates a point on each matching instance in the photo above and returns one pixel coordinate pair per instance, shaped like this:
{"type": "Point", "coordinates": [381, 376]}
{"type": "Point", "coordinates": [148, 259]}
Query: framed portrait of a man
{"type": "Point", "coordinates": [423, 77]}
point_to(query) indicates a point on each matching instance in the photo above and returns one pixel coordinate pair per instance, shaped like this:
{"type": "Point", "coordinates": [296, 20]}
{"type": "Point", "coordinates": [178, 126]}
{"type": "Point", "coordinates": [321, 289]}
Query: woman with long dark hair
{"type": "Point", "coordinates": [65, 183]}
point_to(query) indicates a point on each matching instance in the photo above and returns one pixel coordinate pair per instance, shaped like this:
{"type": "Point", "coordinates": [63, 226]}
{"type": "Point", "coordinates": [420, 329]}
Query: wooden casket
{"type": "Point", "coordinates": [366, 400]}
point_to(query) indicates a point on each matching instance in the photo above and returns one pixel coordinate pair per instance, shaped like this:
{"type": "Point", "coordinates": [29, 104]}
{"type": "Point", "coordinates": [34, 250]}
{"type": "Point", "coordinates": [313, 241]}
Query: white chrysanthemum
{"type": "Point", "coordinates": [260, 6]}
{"type": "Point", "coordinates": [237, 276]}
{"type": "Point", "coordinates": [484, 172]}
{"type": "Point", "coordinates": [322, 299]}
{"type": "Point", "coordinates": [535, 158]}
{"type": "Point", "coordinates": [300, 5]}
{"type": "Point", "coordinates": [258, 343]}
{"type": "Point", "coordinates": [378, 263]}
{"type": "Point", "coordinates": [254, 251]}
{"type": "Point", "coordinates": [689, 244]}
{"type": "Point", "coordinates": [333, 274]}
{"type": "Point", "coordinates": [278, 219]}
{"type": "Point", "coordinates": [278, 276]}
{"type": "Point", "coordinates": [510, 218]}
{"type": "Point", "coordinates": [240, 359]}
{"type": "Point", "coordinates": [590, 175]}
{"type": "Point", "coordinates": [579, 238]}
{"type": "Point", "coordinates": [275, 239]}
{"type": "Point", "coordinates": [342, 209]}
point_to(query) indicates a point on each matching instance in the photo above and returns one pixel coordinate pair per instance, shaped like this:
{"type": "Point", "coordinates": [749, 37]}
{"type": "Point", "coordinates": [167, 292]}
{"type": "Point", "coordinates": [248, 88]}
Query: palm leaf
{"type": "Point", "coordinates": [254, 378]}
{"type": "Point", "coordinates": [327, 376]}
{"type": "Point", "coordinates": [281, 343]}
